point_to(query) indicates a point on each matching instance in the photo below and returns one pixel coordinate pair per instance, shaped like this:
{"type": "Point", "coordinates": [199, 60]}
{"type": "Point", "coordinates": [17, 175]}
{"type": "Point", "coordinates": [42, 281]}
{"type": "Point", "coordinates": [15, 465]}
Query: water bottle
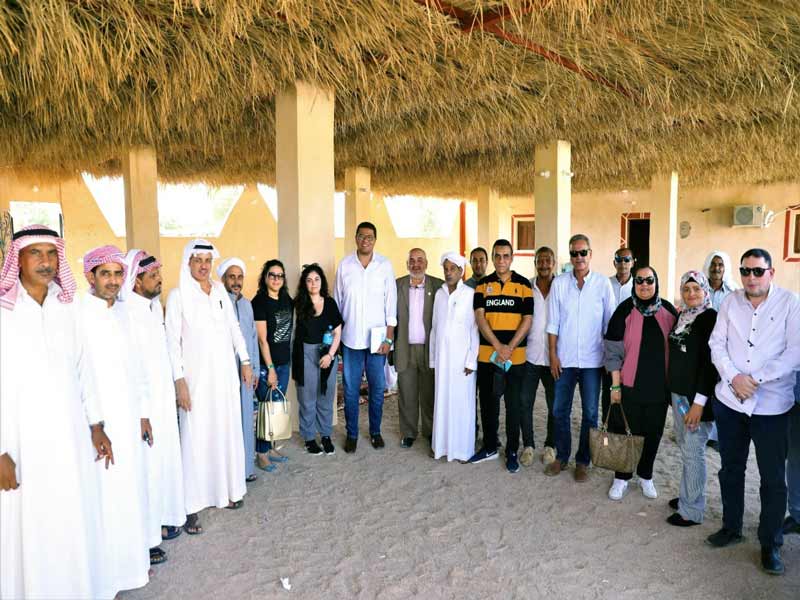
{"type": "Point", "coordinates": [683, 406]}
{"type": "Point", "coordinates": [327, 342]}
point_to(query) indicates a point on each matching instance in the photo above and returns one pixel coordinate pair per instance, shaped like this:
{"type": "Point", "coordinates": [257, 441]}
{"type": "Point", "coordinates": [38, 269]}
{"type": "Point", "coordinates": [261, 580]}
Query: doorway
{"type": "Point", "coordinates": [635, 234]}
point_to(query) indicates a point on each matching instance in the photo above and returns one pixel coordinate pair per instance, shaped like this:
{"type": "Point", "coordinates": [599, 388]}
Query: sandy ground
{"type": "Point", "coordinates": [397, 524]}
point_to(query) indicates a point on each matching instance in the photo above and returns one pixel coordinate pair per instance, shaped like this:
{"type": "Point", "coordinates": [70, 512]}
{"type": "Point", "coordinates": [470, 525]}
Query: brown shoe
{"type": "Point", "coordinates": [581, 473]}
{"type": "Point", "coordinates": [554, 468]}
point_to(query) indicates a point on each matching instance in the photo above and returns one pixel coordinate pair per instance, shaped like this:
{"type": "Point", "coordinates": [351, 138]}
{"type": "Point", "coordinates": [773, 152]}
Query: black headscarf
{"type": "Point", "coordinates": [652, 305]}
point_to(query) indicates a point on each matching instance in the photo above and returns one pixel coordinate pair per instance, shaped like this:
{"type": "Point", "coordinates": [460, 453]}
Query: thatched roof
{"type": "Point", "coordinates": [435, 97]}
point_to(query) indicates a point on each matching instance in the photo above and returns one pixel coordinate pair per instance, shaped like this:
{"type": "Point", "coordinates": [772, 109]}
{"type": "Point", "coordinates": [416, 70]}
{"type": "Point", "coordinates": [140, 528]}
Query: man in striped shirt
{"type": "Point", "coordinates": [503, 304]}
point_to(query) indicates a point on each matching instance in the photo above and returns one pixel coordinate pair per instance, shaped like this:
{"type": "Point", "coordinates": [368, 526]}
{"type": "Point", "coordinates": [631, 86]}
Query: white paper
{"type": "Point", "coordinates": [376, 337]}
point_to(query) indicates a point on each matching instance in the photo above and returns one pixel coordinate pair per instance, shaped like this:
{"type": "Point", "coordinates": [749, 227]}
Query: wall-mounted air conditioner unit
{"type": "Point", "coordinates": [749, 215]}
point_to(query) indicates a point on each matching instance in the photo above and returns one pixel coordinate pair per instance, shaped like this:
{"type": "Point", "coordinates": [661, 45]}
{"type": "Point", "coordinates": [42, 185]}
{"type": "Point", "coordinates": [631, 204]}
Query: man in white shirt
{"type": "Point", "coordinates": [366, 293]}
{"type": "Point", "coordinates": [579, 307]}
{"type": "Point", "coordinates": [537, 361]}
{"type": "Point", "coordinates": [756, 348]}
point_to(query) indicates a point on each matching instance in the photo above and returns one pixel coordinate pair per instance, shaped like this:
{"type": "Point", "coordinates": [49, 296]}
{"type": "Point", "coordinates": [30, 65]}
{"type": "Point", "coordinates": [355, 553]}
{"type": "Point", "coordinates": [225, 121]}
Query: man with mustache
{"type": "Point", "coordinates": [51, 538]}
{"type": "Point", "coordinates": [121, 395]}
{"type": "Point", "coordinates": [203, 337]}
{"type": "Point", "coordinates": [231, 272]}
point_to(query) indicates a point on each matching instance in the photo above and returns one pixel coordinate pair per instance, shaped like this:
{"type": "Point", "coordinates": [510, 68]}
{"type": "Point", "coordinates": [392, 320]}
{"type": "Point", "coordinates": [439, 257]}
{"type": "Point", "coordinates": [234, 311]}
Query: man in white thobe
{"type": "Point", "coordinates": [454, 358]}
{"type": "Point", "coordinates": [122, 397]}
{"type": "Point", "coordinates": [202, 334]}
{"type": "Point", "coordinates": [51, 539]}
{"type": "Point", "coordinates": [141, 293]}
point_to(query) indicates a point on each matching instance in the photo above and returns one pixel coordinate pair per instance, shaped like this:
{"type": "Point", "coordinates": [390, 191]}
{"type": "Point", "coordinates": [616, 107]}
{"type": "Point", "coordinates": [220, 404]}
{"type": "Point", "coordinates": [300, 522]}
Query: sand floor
{"type": "Point", "coordinates": [397, 524]}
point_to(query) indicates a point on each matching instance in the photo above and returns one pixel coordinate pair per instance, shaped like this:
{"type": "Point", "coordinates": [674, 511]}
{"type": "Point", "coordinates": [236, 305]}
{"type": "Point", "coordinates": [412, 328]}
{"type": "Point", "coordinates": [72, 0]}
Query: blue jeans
{"type": "Point", "coordinates": [692, 498]}
{"type": "Point", "coordinates": [770, 436]}
{"type": "Point", "coordinates": [793, 462]}
{"type": "Point", "coordinates": [354, 363]}
{"type": "Point", "coordinates": [283, 372]}
{"type": "Point", "coordinates": [588, 381]}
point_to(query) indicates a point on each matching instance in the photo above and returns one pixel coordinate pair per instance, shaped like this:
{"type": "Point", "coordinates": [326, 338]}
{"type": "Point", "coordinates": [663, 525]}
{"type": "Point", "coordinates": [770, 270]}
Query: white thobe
{"type": "Point", "coordinates": [454, 345]}
{"type": "Point", "coordinates": [202, 352]}
{"type": "Point", "coordinates": [164, 464]}
{"type": "Point", "coordinates": [122, 398]}
{"type": "Point", "coordinates": [51, 539]}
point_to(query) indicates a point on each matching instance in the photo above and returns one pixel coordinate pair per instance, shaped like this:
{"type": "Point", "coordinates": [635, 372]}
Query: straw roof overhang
{"type": "Point", "coordinates": [435, 97]}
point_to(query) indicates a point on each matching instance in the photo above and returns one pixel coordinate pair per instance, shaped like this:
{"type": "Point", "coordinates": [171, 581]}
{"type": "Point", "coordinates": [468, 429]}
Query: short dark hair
{"type": "Point", "coordinates": [479, 249]}
{"type": "Point", "coordinates": [502, 242]}
{"type": "Point", "coordinates": [623, 249]}
{"type": "Point", "coordinates": [579, 237]}
{"type": "Point", "coordinates": [367, 225]}
{"type": "Point", "coordinates": [545, 250]}
{"type": "Point", "coordinates": [757, 253]}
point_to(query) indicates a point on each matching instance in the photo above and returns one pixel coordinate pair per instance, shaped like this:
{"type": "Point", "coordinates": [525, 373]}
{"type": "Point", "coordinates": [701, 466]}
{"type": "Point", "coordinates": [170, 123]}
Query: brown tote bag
{"type": "Point", "coordinates": [615, 451]}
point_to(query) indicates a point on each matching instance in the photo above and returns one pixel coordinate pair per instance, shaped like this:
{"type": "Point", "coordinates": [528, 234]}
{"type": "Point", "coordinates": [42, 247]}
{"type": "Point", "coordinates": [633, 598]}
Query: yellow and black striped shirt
{"type": "Point", "coordinates": [504, 305]}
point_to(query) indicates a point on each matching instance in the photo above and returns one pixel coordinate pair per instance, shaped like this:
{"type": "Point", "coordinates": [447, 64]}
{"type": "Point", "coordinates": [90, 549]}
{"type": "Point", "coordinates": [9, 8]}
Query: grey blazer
{"type": "Point", "coordinates": [401, 351]}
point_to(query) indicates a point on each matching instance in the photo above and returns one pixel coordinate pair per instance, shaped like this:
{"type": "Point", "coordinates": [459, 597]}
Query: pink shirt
{"type": "Point", "coordinates": [416, 305]}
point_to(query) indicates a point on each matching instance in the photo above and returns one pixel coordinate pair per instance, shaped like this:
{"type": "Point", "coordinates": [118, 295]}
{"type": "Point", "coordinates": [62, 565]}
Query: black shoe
{"type": "Point", "coordinates": [677, 520]}
{"type": "Point", "coordinates": [327, 445]}
{"type": "Point", "coordinates": [407, 442]}
{"type": "Point", "coordinates": [790, 526]}
{"type": "Point", "coordinates": [713, 444]}
{"type": "Point", "coordinates": [771, 560]}
{"type": "Point", "coordinates": [158, 556]}
{"type": "Point", "coordinates": [350, 445]}
{"type": "Point", "coordinates": [313, 448]}
{"type": "Point", "coordinates": [673, 504]}
{"type": "Point", "coordinates": [724, 537]}
{"type": "Point", "coordinates": [377, 441]}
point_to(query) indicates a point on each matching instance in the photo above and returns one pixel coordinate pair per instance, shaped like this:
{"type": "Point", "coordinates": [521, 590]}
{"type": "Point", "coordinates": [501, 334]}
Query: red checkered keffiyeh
{"type": "Point", "coordinates": [137, 262]}
{"type": "Point", "coordinates": [9, 276]}
{"type": "Point", "coordinates": [104, 255]}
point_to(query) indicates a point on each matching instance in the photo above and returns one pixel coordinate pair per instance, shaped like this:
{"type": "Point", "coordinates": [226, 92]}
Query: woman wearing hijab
{"type": "Point", "coordinates": [637, 358]}
{"type": "Point", "coordinates": [692, 377]}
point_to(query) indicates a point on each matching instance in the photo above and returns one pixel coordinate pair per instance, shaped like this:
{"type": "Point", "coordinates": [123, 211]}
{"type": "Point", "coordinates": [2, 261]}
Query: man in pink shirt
{"type": "Point", "coordinates": [415, 293]}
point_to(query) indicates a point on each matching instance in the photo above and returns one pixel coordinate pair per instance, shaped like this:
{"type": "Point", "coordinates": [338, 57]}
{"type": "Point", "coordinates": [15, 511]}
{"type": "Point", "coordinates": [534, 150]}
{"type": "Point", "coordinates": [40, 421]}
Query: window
{"type": "Point", "coordinates": [523, 234]}
{"type": "Point", "coordinates": [422, 217]}
{"type": "Point", "coordinates": [791, 234]}
{"type": "Point", "coordinates": [36, 213]}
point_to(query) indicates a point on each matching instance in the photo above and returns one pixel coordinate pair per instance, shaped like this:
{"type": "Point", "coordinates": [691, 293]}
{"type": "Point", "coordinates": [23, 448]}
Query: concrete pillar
{"type": "Point", "coordinates": [357, 194]}
{"type": "Point", "coordinates": [664, 232]}
{"type": "Point", "coordinates": [304, 182]}
{"type": "Point", "coordinates": [488, 218]}
{"type": "Point", "coordinates": [140, 176]}
{"type": "Point", "coordinates": [552, 191]}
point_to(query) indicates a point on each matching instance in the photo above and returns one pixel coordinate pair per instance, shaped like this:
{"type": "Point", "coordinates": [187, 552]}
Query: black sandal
{"type": "Point", "coordinates": [172, 532]}
{"type": "Point", "coordinates": [192, 526]}
{"type": "Point", "coordinates": [157, 556]}
{"type": "Point", "coordinates": [235, 505]}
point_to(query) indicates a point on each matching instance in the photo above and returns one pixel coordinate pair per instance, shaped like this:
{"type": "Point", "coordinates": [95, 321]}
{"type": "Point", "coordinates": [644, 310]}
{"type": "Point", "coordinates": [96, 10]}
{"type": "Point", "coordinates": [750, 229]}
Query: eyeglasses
{"type": "Point", "coordinates": [576, 253]}
{"type": "Point", "coordinates": [365, 238]}
{"type": "Point", "coordinates": [625, 259]}
{"type": "Point", "coordinates": [645, 280]}
{"type": "Point", "coordinates": [276, 275]}
{"type": "Point", "coordinates": [756, 271]}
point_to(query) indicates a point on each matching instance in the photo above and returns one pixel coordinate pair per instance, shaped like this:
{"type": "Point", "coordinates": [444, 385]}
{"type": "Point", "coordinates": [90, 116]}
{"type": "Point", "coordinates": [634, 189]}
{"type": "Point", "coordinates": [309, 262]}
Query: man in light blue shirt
{"type": "Point", "coordinates": [579, 307]}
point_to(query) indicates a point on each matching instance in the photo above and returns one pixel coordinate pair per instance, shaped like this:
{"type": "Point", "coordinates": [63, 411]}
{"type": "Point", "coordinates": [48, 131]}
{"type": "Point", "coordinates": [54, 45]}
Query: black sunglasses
{"type": "Point", "coordinates": [625, 259]}
{"type": "Point", "coordinates": [757, 271]}
{"type": "Point", "coordinates": [645, 280]}
{"type": "Point", "coordinates": [272, 275]}
{"type": "Point", "coordinates": [576, 253]}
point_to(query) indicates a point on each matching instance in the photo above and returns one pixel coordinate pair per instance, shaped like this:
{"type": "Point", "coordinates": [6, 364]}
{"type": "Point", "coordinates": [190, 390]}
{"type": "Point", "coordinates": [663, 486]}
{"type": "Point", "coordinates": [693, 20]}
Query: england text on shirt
{"type": "Point", "coordinates": [504, 305]}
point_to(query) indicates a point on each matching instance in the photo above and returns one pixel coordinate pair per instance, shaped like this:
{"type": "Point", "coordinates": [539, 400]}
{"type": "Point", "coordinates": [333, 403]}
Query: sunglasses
{"type": "Point", "coordinates": [576, 253]}
{"type": "Point", "coordinates": [645, 280]}
{"type": "Point", "coordinates": [756, 271]}
{"type": "Point", "coordinates": [625, 259]}
{"type": "Point", "coordinates": [276, 275]}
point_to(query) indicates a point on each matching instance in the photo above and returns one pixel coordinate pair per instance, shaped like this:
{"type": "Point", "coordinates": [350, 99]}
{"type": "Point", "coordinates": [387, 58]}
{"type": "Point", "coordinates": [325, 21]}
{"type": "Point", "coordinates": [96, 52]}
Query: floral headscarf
{"type": "Point", "coordinates": [688, 315]}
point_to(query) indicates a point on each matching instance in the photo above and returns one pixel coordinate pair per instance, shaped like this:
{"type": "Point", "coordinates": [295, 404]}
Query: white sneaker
{"type": "Point", "coordinates": [618, 489]}
{"type": "Point", "coordinates": [549, 455]}
{"type": "Point", "coordinates": [648, 488]}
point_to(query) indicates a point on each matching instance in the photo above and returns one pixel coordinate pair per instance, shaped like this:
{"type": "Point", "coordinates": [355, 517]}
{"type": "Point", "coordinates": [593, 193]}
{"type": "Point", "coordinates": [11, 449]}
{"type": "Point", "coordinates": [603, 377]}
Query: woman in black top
{"type": "Point", "coordinates": [272, 312]}
{"type": "Point", "coordinates": [692, 377]}
{"type": "Point", "coordinates": [636, 356]}
{"type": "Point", "coordinates": [319, 330]}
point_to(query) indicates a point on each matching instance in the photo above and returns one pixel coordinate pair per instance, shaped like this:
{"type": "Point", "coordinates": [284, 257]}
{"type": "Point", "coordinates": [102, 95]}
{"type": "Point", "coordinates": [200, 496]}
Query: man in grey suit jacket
{"type": "Point", "coordinates": [415, 294]}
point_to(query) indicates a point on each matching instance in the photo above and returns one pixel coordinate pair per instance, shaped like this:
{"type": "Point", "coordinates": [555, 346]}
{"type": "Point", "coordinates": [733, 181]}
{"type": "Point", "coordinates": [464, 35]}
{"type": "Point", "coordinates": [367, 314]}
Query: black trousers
{"type": "Point", "coordinates": [533, 375]}
{"type": "Point", "coordinates": [645, 419]}
{"type": "Point", "coordinates": [489, 394]}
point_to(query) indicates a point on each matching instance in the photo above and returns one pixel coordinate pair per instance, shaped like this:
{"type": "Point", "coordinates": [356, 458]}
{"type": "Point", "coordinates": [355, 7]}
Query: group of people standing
{"type": "Point", "coordinates": [112, 367]}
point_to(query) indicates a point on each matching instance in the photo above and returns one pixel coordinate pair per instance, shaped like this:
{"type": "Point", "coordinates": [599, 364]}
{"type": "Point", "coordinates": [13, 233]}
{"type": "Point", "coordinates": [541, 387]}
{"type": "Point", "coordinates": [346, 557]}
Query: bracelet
{"type": "Point", "coordinates": [387, 341]}
{"type": "Point", "coordinates": [270, 366]}
{"type": "Point", "coordinates": [615, 388]}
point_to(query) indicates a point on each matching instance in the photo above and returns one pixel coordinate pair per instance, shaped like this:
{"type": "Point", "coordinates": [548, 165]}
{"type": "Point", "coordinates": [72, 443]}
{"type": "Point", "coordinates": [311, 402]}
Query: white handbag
{"type": "Point", "coordinates": [274, 420]}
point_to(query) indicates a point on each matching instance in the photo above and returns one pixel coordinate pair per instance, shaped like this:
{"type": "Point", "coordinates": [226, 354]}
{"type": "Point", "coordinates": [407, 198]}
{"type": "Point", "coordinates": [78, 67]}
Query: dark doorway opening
{"type": "Point", "coordinates": [639, 240]}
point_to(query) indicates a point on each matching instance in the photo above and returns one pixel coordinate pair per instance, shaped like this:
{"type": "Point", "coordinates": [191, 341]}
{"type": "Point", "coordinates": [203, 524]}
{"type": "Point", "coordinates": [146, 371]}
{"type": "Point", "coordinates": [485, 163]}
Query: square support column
{"type": "Point", "coordinates": [140, 176]}
{"type": "Point", "coordinates": [357, 193]}
{"type": "Point", "coordinates": [552, 192]}
{"type": "Point", "coordinates": [305, 184]}
{"type": "Point", "coordinates": [664, 232]}
{"type": "Point", "coordinates": [488, 219]}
